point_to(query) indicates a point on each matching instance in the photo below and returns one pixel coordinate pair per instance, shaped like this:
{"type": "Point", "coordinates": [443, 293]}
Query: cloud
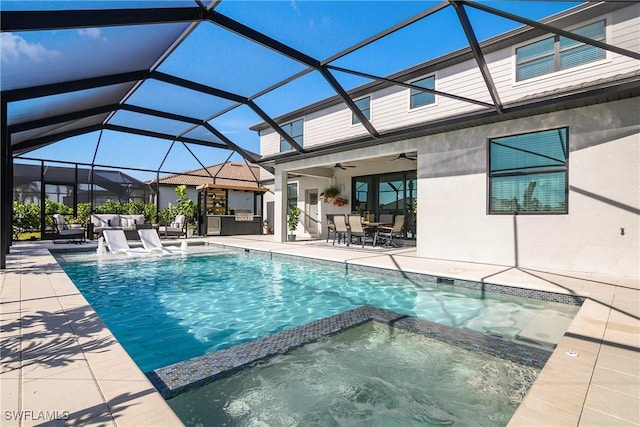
{"type": "Point", "coordinates": [92, 33]}
{"type": "Point", "coordinates": [13, 48]}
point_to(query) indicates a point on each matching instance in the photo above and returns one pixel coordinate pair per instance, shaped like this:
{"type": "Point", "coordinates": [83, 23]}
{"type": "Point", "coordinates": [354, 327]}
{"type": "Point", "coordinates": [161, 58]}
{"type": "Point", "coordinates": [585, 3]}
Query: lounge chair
{"type": "Point", "coordinates": [64, 231]}
{"type": "Point", "coordinates": [117, 242]}
{"type": "Point", "coordinates": [151, 242]}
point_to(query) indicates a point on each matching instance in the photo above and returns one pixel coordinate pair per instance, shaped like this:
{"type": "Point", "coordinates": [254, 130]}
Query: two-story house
{"type": "Point", "coordinates": [523, 154]}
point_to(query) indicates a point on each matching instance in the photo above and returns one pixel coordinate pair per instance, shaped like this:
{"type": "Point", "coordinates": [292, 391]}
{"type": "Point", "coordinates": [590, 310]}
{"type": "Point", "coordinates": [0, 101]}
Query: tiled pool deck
{"type": "Point", "coordinates": [61, 363]}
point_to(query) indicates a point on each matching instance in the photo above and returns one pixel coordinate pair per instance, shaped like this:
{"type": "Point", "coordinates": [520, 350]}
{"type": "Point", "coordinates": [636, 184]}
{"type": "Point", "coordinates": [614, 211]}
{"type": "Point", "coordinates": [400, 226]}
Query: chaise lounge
{"type": "Point", "coordinates": [117, 243]}
{"type": "Point", "coordinates": [151, 242]}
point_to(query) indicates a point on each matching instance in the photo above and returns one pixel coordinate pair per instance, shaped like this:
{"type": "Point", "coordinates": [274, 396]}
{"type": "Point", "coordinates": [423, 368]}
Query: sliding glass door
{"type": "Point", "coordinates": [387, 194]}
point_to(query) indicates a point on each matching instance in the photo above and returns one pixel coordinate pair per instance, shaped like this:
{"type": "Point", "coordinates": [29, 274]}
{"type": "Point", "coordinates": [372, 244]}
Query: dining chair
{"type": "Point", "coordinates": [358, 230]}
{"type": "Point", "coordinates": [388, 233]}
{"type": "Point", "coordinates": [342, 230]}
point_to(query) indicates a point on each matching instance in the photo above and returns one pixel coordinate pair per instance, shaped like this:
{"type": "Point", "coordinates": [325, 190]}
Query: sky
{"type": "Point", "coordinates": [215, 57]}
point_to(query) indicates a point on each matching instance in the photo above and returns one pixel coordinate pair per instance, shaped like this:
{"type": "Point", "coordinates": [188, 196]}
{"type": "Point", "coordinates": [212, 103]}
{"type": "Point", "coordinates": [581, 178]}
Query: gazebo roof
{"type": "Point", "coordinates": [236, 174]}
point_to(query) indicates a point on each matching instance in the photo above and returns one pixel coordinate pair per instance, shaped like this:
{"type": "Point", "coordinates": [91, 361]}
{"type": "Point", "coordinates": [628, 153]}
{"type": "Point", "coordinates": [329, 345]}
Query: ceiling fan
{"type": "Point", "coordinates": [404, 156]}
{"type": "Point", "coordinates": [343, 167]}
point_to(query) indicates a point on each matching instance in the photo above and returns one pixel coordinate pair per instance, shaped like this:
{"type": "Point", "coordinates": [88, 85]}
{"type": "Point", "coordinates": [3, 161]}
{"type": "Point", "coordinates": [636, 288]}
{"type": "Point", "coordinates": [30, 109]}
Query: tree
{"type": "Point", "coordinates": [185, 206]}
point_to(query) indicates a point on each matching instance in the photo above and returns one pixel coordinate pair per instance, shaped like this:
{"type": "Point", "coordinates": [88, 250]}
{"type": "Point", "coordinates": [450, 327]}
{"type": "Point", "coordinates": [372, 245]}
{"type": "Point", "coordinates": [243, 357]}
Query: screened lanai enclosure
{"type": "Point", "coordinates": [73, 184]}
{"type": "Point", "coordinates": [45, 188]}
{"type": "Point", "coordinates": [159, 87]}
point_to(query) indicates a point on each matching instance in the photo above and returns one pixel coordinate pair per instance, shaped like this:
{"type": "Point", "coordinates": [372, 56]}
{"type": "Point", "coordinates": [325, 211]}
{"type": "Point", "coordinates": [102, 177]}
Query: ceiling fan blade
{"type": "Point", "coordinates": [405, 157]}
{"type": "Point", "coordinates": [343, 167]}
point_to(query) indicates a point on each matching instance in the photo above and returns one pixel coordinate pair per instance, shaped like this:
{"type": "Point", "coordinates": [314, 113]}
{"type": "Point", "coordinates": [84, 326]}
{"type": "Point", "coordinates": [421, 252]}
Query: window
{"type": "Point", "coordinates": [559, 53]}
{"type": "Point", "coordinates": [364, 104]}
{"type": "Point", "coordinates": [418, 98]}
{"type": "Point", "coordinates": [294, 130]}
{"type": "Point", "coordinates": [292, 196]}
{"type": "Point", "coordinates": [528, 173]}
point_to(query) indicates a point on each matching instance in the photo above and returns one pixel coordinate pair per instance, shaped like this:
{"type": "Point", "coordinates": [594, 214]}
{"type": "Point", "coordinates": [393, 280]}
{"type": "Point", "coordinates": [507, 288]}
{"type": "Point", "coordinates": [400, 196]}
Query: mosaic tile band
{"type": "Point", "coordinates": [174, 379]}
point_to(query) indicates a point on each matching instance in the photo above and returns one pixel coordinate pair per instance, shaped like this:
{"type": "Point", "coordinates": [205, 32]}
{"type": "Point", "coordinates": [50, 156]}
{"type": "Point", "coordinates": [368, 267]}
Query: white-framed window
{"type": "Point", "coordinates": [296, 131]}
{"type": "Point", "coordinates": [418, 98]}
{"type": "Point", "coordinates": [364, 105]}
{"type": "Point", "coordinates": [528, 173]}
{"type": "Point", "coordinates": [558, 53]}
{"type": "Point", "coordinates": [292, 195]}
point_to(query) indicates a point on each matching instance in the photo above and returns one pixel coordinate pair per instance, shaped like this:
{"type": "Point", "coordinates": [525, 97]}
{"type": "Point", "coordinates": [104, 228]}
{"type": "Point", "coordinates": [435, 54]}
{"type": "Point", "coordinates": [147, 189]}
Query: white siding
{"type": "Point", "coordinates": [622, 31]}
{"type": "Point", "coordinates": [390, 106]}
{"type": "Point", "coordinates": [330, 125]}
{"type": "Point", "coordinates": [269, 142]}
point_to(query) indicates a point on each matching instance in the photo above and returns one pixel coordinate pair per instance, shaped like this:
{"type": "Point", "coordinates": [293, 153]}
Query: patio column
{"type": "Point", "coordinates": [280, 206]}
{"type": "Point", "coordinates": [6, 188]}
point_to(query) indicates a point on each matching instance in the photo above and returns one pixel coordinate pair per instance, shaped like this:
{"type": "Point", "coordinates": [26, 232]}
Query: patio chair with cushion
{"type": "Point", "coordinates": [358, 230]}
{"type": "Point", "coordinates": [388, 233]}
{"type": "Point", "coordinates": [65, 231]}
{"type": "Point", "coordinates": [177, 228]}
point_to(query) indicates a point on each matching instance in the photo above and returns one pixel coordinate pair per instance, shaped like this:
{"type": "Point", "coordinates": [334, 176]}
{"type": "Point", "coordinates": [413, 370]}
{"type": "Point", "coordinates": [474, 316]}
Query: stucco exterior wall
{"type": "Point", "coordinates": [168, 195]}
{"type": "Point", "coordinates": [604, 196]}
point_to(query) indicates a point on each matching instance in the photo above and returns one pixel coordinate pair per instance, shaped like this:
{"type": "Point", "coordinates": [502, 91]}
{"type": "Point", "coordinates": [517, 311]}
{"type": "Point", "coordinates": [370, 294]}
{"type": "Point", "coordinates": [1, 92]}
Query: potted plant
{"type": "Point", "coordinates": [75, 222]}
{"type": "Point", "coordinates": [292, 223]}
{"type": "Point", "coordinates": [330, 193]}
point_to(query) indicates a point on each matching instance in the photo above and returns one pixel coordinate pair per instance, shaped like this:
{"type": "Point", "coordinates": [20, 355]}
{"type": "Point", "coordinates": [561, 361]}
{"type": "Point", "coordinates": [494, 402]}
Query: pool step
{"type": "Point", "coordinates": [545, 329]}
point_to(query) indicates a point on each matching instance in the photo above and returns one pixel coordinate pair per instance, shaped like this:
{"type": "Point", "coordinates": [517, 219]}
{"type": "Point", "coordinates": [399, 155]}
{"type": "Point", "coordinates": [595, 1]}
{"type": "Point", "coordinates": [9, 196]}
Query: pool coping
{"type": "Point", "coordinates": [179, 377]}
{"type": "Point", "coordinates": [104, 386]}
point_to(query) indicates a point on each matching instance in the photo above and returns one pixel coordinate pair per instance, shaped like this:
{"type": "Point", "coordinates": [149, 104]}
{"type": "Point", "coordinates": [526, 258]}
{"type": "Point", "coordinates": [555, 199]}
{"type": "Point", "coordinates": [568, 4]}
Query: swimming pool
{"type": "Point", "coordinates": [168, 309]}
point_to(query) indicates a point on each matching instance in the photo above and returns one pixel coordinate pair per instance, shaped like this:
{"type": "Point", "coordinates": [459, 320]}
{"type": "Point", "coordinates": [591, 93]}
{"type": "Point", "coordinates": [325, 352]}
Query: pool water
{"type": "Point", "coordinates": [166, 309]}
{"type": "Point", "coordinates": [407, 380]}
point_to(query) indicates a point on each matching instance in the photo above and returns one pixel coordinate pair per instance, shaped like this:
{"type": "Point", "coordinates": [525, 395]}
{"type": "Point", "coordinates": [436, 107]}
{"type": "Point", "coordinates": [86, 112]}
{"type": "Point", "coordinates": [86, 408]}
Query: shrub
{"type": "Point", "coordinates": [84, 213]}
{"type": "Point", "coordinates": [26, 217]}
{"type": "Point", "coordinates": [150, 212]}
{"type": "Point", "coordinates": [134, 207]}
{"type": "Point", "coordinates": [110, 207]}
{"type": "Point", "coordinates": [168, 214]}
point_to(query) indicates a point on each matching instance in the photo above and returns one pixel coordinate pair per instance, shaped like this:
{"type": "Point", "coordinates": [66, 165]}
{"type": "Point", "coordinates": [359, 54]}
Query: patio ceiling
{"type": "Point", "coordinates": [182, 70]}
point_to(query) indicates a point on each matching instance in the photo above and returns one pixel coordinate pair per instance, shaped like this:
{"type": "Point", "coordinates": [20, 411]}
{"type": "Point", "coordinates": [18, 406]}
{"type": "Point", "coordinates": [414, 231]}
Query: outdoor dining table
{"type": "Point", "coordinates": [374, 226]}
